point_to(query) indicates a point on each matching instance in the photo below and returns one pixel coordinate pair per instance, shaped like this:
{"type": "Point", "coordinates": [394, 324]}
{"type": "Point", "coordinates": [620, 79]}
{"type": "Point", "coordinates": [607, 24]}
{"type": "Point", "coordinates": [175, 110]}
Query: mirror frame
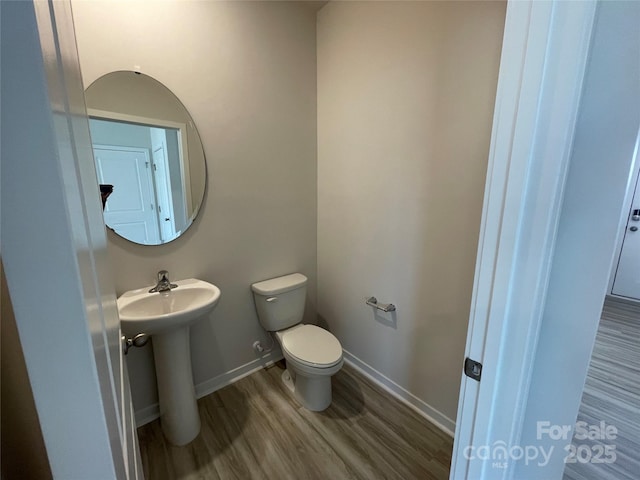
{"type": "Point", "coordinates": [184, 149]}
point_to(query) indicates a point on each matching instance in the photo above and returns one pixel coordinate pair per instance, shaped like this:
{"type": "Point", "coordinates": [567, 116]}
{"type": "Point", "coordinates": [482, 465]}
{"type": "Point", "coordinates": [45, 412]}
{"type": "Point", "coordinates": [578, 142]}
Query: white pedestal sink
{"type": "Point", "coordinates": [166, 316]}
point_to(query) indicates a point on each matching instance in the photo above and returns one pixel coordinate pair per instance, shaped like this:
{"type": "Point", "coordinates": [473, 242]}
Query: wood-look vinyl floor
{"type": "Point", "coordinates": [255, 429]}
{"type": "Point", "coordinates": [612, 395]}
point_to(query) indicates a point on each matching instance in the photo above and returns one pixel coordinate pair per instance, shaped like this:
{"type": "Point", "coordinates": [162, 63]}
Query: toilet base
{"type": "Point", "coordinates": [314, 393]}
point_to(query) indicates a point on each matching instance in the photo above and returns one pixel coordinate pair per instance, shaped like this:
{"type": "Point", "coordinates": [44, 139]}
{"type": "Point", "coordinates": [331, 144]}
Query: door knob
{"type": "Point", "coordinates": [633, 229]}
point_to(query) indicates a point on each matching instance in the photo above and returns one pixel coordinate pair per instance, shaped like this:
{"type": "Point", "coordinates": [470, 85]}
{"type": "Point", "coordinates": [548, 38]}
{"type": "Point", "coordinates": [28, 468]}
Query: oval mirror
{"type": "Point", "coordinates": [146, 146]}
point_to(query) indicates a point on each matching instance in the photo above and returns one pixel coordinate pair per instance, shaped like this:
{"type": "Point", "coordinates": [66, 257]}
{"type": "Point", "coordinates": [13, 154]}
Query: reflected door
{"type": "Point", "coordinates": [627, 279]}
{"type": "Point", "coordinates": [160, 157]}
{"type": "Point", "coordinates": [130, 210]}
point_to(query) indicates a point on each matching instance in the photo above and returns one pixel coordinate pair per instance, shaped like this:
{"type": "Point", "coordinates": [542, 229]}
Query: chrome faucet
{"type": "Point", "coordinates": [163, 285]}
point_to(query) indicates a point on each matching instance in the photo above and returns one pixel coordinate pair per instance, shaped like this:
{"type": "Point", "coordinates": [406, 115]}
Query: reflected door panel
{"type": "Point", "coordinates": [162, 184]}
{"type": "Point", "coordinates": [130, 210]}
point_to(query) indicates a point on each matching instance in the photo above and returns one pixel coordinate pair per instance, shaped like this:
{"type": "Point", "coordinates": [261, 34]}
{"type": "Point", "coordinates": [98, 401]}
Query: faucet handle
{"type": "Point", "coordinates": [163, 284]}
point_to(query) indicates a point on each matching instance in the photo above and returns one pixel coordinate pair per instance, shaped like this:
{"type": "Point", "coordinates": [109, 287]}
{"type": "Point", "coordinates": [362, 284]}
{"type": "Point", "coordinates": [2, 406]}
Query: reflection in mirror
{"type": "Point", "coordinates": [145, 144]}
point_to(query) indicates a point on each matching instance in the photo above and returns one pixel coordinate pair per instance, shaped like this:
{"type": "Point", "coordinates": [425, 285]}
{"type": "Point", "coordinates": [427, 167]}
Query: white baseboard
{"type": "Point", "coordinates": [628, 300]}
{"type": "Point", "coordinates": [205, 388]}
{"type": "Point", "coordinates": [440, 420]}
{"type": "Point", "coordinates": [150, 413]}
{"type": "Point", "coordinates": [147, 414]}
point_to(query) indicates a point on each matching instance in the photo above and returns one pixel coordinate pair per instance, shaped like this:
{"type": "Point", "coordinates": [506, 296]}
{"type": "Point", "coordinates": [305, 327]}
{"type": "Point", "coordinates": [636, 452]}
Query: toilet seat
{"type": "Point", "coordinates": [311, 346]}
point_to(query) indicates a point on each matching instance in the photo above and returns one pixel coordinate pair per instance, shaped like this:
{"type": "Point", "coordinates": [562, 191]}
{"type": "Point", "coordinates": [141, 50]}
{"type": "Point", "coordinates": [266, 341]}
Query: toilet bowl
{"type": "Point", "coordinates": [312, 353]}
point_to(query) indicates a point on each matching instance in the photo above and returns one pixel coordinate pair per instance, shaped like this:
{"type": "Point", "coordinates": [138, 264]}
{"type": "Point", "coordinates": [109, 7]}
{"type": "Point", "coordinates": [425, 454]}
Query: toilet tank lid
{"type": "Point", "coordinates": [278, 285]}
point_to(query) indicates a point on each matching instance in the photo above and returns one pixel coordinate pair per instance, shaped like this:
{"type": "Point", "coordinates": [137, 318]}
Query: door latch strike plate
{"type": "Point", "coordinates": [472, 369]}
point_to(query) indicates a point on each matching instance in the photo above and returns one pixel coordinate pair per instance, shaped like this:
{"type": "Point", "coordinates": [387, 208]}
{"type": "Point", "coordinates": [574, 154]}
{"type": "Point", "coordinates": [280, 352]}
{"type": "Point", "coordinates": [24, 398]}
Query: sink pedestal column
{"type": "Point", "coordinates": [179, 415]}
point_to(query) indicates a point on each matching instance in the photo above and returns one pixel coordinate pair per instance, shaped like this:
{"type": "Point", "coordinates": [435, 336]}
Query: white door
{"type": "Point", "coordinates": [549, 231]}
{"type": "Point", "coordinates": [54, 249]}
{"type": "Point", "coordinates": [162, 183]}
{"type": "Point", "coordinates": [131, 208]}
{"type": "Point", "coordinates": [627, 278]}
{"type": "Point", "coordinates": [544, 54]}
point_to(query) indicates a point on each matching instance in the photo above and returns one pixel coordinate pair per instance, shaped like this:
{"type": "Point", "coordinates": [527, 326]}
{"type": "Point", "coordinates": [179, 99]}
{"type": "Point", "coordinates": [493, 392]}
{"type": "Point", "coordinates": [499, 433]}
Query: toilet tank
{"type": "Point", "coordinates": [280, 301]}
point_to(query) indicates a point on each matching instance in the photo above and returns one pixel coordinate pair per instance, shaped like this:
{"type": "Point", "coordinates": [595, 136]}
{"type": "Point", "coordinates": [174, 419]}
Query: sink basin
{"type": "Point", "coordinates": [167, 316]}
{"type": "Point", "coordinates": [153, 313]}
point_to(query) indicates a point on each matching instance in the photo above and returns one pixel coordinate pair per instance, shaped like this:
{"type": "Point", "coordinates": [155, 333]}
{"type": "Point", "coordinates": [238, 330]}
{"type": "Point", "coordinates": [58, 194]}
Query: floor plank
{"type": "Point", "coordinates": [255, 429]}
{"type": "Point", "coordinates": [612, 394]}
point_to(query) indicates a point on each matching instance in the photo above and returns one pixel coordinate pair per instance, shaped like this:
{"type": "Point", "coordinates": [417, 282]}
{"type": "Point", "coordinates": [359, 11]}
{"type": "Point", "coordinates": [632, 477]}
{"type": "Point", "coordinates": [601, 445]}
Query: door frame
{"type": "Point", "coordinates": [54, 250]}
{"type": "Point", "coordinates": [542, 69]}
{"type": "Point", "coordinates": [567, 161]}
{"type": "Point", "coordinates": [162, 185]}
{"type": "Point", "coordinates": [183, 144]}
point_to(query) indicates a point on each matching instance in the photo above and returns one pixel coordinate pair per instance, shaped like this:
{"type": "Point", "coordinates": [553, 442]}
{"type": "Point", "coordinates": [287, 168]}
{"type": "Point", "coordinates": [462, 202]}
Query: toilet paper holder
{"type": "Point", "coordinates": [385, 307]}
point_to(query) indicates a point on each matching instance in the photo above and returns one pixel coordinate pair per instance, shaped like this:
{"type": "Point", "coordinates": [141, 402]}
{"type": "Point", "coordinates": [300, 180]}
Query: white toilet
{"type": "Point", "coordinates": [313, 354]}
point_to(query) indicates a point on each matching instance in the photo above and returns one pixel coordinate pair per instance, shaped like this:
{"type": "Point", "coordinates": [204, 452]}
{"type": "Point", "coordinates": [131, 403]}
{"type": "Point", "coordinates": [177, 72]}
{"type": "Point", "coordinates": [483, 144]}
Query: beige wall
{"type": "Point", "coordinates": [246, 72]}
{"type": "Point", "coordinates": [405, 102]}
{"type": "Point", "coordinates": [23, 452]}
